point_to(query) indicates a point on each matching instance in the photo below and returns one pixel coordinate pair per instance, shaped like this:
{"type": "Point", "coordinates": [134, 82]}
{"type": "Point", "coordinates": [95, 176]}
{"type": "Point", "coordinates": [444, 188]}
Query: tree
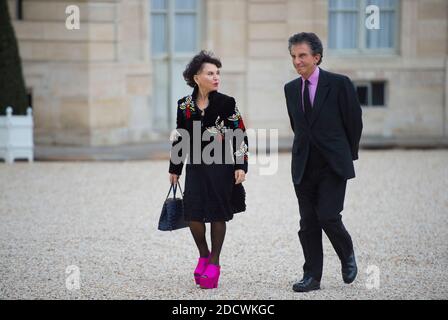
{"type": "Point", "coordinates": [12, 84]}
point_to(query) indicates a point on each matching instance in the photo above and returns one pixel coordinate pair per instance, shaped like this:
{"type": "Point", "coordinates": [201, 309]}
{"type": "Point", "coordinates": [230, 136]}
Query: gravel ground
{"type": "Point", "coordinates": [102, 217]}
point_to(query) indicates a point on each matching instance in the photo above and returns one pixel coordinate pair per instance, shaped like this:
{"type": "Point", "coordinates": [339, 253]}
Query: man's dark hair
{"type": "Point", "coordinates": [311, 39]}
{"type": "Point", "coordinates": [195, 66]}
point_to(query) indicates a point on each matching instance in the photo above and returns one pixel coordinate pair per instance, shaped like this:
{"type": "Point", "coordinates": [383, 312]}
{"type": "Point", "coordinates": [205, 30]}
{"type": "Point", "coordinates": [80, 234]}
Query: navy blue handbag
{"type": "Point", "coordinates": [172, 216]}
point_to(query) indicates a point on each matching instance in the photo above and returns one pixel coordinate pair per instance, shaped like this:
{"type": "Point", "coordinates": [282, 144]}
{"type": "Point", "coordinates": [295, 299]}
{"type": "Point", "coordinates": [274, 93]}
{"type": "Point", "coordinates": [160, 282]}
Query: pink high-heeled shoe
{"type": "Point", "coordinates": [200, 268]}
{"type": "Point", "coordinates": [210, 277]}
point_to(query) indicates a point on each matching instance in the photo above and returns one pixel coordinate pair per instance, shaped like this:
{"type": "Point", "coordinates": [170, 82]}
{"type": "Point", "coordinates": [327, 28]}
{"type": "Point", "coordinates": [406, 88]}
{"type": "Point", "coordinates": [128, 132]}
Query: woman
{"type": "Point", "coordinates": [213, 191]}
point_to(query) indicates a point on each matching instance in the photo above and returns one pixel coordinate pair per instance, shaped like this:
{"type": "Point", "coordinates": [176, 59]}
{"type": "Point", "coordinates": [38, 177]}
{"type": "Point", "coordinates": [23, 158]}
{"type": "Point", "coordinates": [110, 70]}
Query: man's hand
{"type": "Point", "coordinates": [240, 176]}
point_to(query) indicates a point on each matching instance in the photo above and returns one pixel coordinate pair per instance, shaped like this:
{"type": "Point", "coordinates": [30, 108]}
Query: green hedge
{"type": "Point", "coordinates": [12, 84]}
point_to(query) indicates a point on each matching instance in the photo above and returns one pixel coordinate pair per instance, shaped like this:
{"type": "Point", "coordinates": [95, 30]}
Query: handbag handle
{"type": "Point", "coordinates": [174, 191]}
{"type": "Point", "coordinates": [181, 192]}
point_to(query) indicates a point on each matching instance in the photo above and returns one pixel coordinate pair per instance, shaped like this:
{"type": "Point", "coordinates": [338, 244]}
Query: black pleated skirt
{"type": "Point", "coordinates": [211, 193]}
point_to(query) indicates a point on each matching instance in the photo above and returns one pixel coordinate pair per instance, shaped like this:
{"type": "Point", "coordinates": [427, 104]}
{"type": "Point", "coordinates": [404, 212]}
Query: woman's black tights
{"type": "Point", "coordinates": [218, 233]}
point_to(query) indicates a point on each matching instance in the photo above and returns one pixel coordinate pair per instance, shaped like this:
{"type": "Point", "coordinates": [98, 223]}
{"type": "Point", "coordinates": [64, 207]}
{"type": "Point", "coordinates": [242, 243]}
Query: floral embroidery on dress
{"type": "Point", "coordinates": [218, 127]}
{"type": "Point", "coordinates": [188, 107]}
{"type": "Point", "coordinates": [236, 116]}
{"type": "Point", "coordinates": [236, 119]}
{"type": "Point", "coordinates": [175, 135]}
{"type": "Point", "coordinates": [242, 151]}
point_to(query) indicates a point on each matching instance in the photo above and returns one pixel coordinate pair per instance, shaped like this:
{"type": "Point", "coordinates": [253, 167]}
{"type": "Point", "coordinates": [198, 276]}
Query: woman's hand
{"type": "Point", "coordinates": [174, 178]}
{"type": "Point", "coordinates": [240, 176]}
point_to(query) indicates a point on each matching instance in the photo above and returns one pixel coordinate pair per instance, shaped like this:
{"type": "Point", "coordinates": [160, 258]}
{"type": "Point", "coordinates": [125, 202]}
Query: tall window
{"type": "Point", "coordinates": [348, 32]}
{"type": "Point", "coordinates": [175, 37]}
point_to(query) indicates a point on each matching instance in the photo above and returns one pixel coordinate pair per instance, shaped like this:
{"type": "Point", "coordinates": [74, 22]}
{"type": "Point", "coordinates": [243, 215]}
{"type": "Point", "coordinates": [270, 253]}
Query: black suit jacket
{"type": "Point", "coordinates": [335, 126]}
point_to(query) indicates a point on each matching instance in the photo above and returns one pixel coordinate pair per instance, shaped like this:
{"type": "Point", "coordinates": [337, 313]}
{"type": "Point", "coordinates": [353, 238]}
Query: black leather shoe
{"type": "Point", "coordinates": [308, 283]}
{"type": "Point", "coordinates": [349, 269]}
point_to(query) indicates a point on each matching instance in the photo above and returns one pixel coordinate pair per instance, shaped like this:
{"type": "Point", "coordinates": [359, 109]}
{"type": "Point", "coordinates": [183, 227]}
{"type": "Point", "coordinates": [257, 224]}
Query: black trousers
{"type": "Point", "coordinates": [321, 194]}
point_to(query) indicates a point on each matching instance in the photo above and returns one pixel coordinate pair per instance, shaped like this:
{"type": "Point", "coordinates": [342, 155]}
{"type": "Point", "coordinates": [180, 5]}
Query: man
{"type": "Point", "coordinates": [326, 119]}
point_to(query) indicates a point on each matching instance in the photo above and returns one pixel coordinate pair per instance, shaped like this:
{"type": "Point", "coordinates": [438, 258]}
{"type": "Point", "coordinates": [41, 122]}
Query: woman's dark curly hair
{"type": "Point", "coordinates": [195, 66]}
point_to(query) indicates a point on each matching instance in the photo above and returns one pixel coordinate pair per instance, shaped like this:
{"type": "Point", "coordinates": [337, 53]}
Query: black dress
{"type": "Point", "coordinates": [210, 191]}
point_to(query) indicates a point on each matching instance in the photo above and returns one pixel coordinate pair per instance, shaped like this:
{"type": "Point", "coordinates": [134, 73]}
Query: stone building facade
{"type": "Point", "coordinates": [116, 79]}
